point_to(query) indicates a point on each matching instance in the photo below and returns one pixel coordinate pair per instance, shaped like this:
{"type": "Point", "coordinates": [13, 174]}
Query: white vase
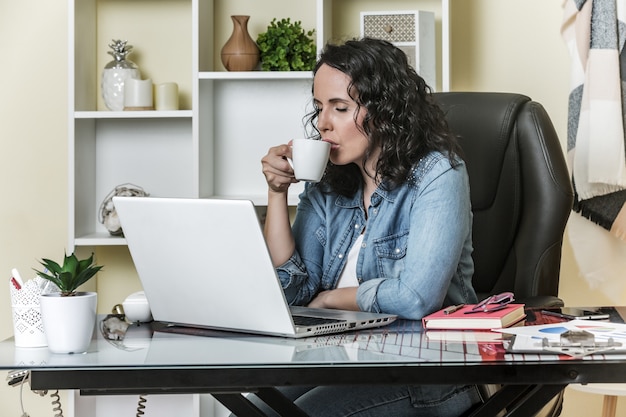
{"type": "Point", "coordinates": [69, 321]}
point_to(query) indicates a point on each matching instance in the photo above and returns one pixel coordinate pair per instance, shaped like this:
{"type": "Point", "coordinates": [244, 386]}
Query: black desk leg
{"type": "Point", "coordinates": [499, 401]}
{"type": "Point", "coordinates": [518, 400]}
{"type": "Point", "coordinates": [281, 404]}
{"type": "Point", "coordinates": [534, 400]}
{"type": "Point", "coordinates": [241, 407]}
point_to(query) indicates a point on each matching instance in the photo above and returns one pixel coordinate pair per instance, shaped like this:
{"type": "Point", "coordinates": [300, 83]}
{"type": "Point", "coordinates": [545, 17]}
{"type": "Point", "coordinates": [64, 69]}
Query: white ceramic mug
{"type": "Point", "coordinates": [309, 159]}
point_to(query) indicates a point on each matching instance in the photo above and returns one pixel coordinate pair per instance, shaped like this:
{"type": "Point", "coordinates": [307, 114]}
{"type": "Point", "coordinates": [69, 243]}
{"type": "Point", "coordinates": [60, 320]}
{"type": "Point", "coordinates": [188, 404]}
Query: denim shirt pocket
{"type": "Point", "coordinates": [390, 253]}
{"type": "Point", "coordinates": [320, 233]}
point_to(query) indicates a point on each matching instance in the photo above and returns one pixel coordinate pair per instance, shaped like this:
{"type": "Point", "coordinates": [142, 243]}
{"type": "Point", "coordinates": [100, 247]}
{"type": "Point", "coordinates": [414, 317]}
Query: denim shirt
{"type": "Point", "coordinates": [416, 250]}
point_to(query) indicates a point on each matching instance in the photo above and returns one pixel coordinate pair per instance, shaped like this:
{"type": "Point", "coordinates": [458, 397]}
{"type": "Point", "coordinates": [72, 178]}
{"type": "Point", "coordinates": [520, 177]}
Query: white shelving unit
{"type": "Point", "coordinates": [213, 146]}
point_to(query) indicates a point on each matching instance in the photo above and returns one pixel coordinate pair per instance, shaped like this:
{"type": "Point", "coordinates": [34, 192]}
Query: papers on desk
{"type": "Point", "coordinates": [576, 338]}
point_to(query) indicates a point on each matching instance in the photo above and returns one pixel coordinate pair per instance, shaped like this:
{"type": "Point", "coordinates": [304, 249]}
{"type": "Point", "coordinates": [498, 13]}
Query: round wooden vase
{"type": "Point", "coordinates": [240, 52]}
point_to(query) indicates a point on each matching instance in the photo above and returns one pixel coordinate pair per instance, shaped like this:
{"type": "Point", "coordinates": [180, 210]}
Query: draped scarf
{"type": "Point", "coordinates": [594, 32]}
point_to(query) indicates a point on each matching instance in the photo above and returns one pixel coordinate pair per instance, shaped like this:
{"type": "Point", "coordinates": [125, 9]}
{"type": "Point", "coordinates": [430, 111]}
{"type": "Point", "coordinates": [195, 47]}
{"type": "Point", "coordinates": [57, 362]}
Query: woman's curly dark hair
{"type": "Point", "coordinates": [402, 118]}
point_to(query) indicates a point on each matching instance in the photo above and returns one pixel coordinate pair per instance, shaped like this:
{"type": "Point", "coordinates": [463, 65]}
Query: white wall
{"type": "Point", "coordinates": [498, 45]}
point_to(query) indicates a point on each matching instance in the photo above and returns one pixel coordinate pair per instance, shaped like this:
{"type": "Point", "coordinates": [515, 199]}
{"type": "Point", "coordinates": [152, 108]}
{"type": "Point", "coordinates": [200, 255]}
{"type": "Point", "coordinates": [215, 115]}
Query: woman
{"type": "Point", "coordinates": [388, 228]}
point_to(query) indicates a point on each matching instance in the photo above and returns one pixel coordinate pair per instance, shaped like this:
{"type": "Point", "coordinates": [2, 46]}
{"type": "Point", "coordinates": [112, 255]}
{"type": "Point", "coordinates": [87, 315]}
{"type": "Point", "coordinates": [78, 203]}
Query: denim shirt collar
{"type": "Point", "coordinates": [380, 193]}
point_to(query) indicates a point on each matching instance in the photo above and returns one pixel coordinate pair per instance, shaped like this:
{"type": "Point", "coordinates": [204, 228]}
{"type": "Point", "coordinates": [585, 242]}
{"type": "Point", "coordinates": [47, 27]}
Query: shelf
{"type": "Point", "coordinates": [256, 75]}
{"type": "Point", "coordinates": [100, 239]}
{"type": "Point", "coordinates": [152, 114]}
{"type": "Point", "coordinates": [261, 200]}
{"type": "Point", "coordinates": [106, 239]}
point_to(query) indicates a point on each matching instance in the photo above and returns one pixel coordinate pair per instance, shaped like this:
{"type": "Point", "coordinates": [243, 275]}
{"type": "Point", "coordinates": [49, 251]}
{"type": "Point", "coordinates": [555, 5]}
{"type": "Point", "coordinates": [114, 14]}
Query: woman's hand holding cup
{"type": "Point", "coordinates": [277, 170]}
{"type": "Point", "coordinates": [300, 160]}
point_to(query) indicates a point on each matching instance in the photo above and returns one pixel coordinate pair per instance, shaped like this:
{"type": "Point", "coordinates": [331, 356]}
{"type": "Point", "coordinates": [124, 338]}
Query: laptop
{"type": "Point", "coordinates": [204, 263]}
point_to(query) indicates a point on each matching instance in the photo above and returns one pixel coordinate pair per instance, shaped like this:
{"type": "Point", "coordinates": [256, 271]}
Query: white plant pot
{"type": "Point", "coordinates": [69, 321]}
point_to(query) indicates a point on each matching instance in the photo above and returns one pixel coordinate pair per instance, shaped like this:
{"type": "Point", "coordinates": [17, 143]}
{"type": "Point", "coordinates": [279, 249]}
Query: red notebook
{"type": "Point", "coordinates": [506, 317]}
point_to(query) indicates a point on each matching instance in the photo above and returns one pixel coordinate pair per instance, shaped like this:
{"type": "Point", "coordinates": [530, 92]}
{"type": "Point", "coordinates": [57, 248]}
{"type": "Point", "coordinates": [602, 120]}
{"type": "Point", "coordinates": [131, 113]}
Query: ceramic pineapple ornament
{"type": "Point", "coordinates": [116, 73]}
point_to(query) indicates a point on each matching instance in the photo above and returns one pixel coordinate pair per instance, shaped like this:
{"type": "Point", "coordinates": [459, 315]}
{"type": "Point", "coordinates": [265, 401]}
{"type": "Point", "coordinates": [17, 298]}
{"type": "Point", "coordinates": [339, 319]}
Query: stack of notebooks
{"type": "Point", "coordinates": [464, 319]}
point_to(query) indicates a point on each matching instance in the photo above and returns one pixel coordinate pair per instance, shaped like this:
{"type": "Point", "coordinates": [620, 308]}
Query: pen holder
{"type": "Point", "coordinates": [31, 356]}
{"type": "Point", "coordinates": [27, 324]}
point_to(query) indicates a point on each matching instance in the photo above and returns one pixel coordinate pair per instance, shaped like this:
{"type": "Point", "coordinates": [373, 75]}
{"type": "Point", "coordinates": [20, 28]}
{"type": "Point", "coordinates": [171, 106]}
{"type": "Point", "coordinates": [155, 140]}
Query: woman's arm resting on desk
{"type": "Point", "coordinates": [340, 298]}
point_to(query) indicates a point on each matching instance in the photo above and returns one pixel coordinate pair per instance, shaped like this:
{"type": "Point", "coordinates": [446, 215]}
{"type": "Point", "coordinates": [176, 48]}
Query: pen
{"type": "Point", "coordinates": [452, 309]}
{"type": "Point", "coordinates": [16, 284]}
{"type": "Point", "coordinates": [16, 279]}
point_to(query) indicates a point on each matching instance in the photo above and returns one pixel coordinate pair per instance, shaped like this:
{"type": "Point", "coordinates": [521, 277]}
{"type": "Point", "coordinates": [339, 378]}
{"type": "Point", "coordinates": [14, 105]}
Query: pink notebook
{"type": "Point", "coordinates": [458, 319]}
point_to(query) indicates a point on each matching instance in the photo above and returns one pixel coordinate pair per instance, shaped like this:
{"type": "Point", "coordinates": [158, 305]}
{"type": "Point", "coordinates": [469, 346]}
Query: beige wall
{"type": "Point", "coordinates": [497, 45]}
{"type": "Point", "coordinates": [33, 173]}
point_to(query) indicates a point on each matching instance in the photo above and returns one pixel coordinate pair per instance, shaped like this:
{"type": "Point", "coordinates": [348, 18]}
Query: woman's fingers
{"type": "Point", "coordinates": [277, 170]}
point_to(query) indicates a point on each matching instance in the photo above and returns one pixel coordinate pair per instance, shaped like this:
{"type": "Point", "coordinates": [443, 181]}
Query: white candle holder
{"type": "Point", "coordinates": [166, 96]}
{"type": "Point", "coordinates": [138, 94]}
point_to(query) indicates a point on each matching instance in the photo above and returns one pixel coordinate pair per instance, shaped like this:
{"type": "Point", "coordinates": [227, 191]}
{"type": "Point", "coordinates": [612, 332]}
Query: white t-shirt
{"type": "Point", "coordinates": [348, 275]}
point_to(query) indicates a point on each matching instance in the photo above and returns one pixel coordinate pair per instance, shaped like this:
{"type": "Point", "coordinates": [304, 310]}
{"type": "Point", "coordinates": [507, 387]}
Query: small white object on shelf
{"type": "Point", "coordinates": [166, 96]}
{"type": "Point", "coordinates": [136, 308]}
{"type": "Point", "coordinates": [138, 94]}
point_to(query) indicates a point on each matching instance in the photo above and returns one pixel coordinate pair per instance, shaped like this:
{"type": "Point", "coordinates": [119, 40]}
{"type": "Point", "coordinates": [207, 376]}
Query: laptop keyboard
{"type": "Point", "coordinates": [313, 321]}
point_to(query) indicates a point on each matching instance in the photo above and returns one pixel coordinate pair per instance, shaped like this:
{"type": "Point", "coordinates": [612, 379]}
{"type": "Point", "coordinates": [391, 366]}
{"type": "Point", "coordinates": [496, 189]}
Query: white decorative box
{"type": "Point", "coordinates": [411, 31]}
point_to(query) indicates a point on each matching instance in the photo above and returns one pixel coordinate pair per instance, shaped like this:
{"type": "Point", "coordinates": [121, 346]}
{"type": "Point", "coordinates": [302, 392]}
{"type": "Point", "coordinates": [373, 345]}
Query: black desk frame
{"type": "Point", "coordinates": [528, 386]}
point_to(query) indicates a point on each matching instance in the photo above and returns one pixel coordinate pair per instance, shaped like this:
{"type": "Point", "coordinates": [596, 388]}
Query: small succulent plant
{"type": "Point", "coordinates": [71, 275]}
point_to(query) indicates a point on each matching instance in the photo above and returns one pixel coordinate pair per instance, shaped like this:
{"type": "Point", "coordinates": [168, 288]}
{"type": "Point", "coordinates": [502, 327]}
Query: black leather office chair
{"type": "Point", "coordinates": [520, 190]}
{"type": "Point", "coordinates": [521, 197]}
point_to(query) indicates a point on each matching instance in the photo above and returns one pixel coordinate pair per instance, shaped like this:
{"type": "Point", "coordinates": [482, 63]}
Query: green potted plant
{"type": "Point", "coordinates": [71, 275]}
{"type": "Point", "coordinates": [286, 46]}
{"type": "Point", "coordinates": [69, 315]}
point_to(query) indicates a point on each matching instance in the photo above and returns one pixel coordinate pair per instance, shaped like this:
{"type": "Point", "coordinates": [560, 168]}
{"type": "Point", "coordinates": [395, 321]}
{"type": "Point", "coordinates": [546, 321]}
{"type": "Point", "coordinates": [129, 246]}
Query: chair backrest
{"type": "Point", "coordinates": [520, 191]}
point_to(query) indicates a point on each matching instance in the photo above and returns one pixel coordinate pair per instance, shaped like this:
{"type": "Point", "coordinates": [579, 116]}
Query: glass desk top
{"type": "Point", "coordinates": [155, 345]}
{"type": "Point", "coordinates": [146, 360]}
{"type": "Point", "coordinates": [142, 346]}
